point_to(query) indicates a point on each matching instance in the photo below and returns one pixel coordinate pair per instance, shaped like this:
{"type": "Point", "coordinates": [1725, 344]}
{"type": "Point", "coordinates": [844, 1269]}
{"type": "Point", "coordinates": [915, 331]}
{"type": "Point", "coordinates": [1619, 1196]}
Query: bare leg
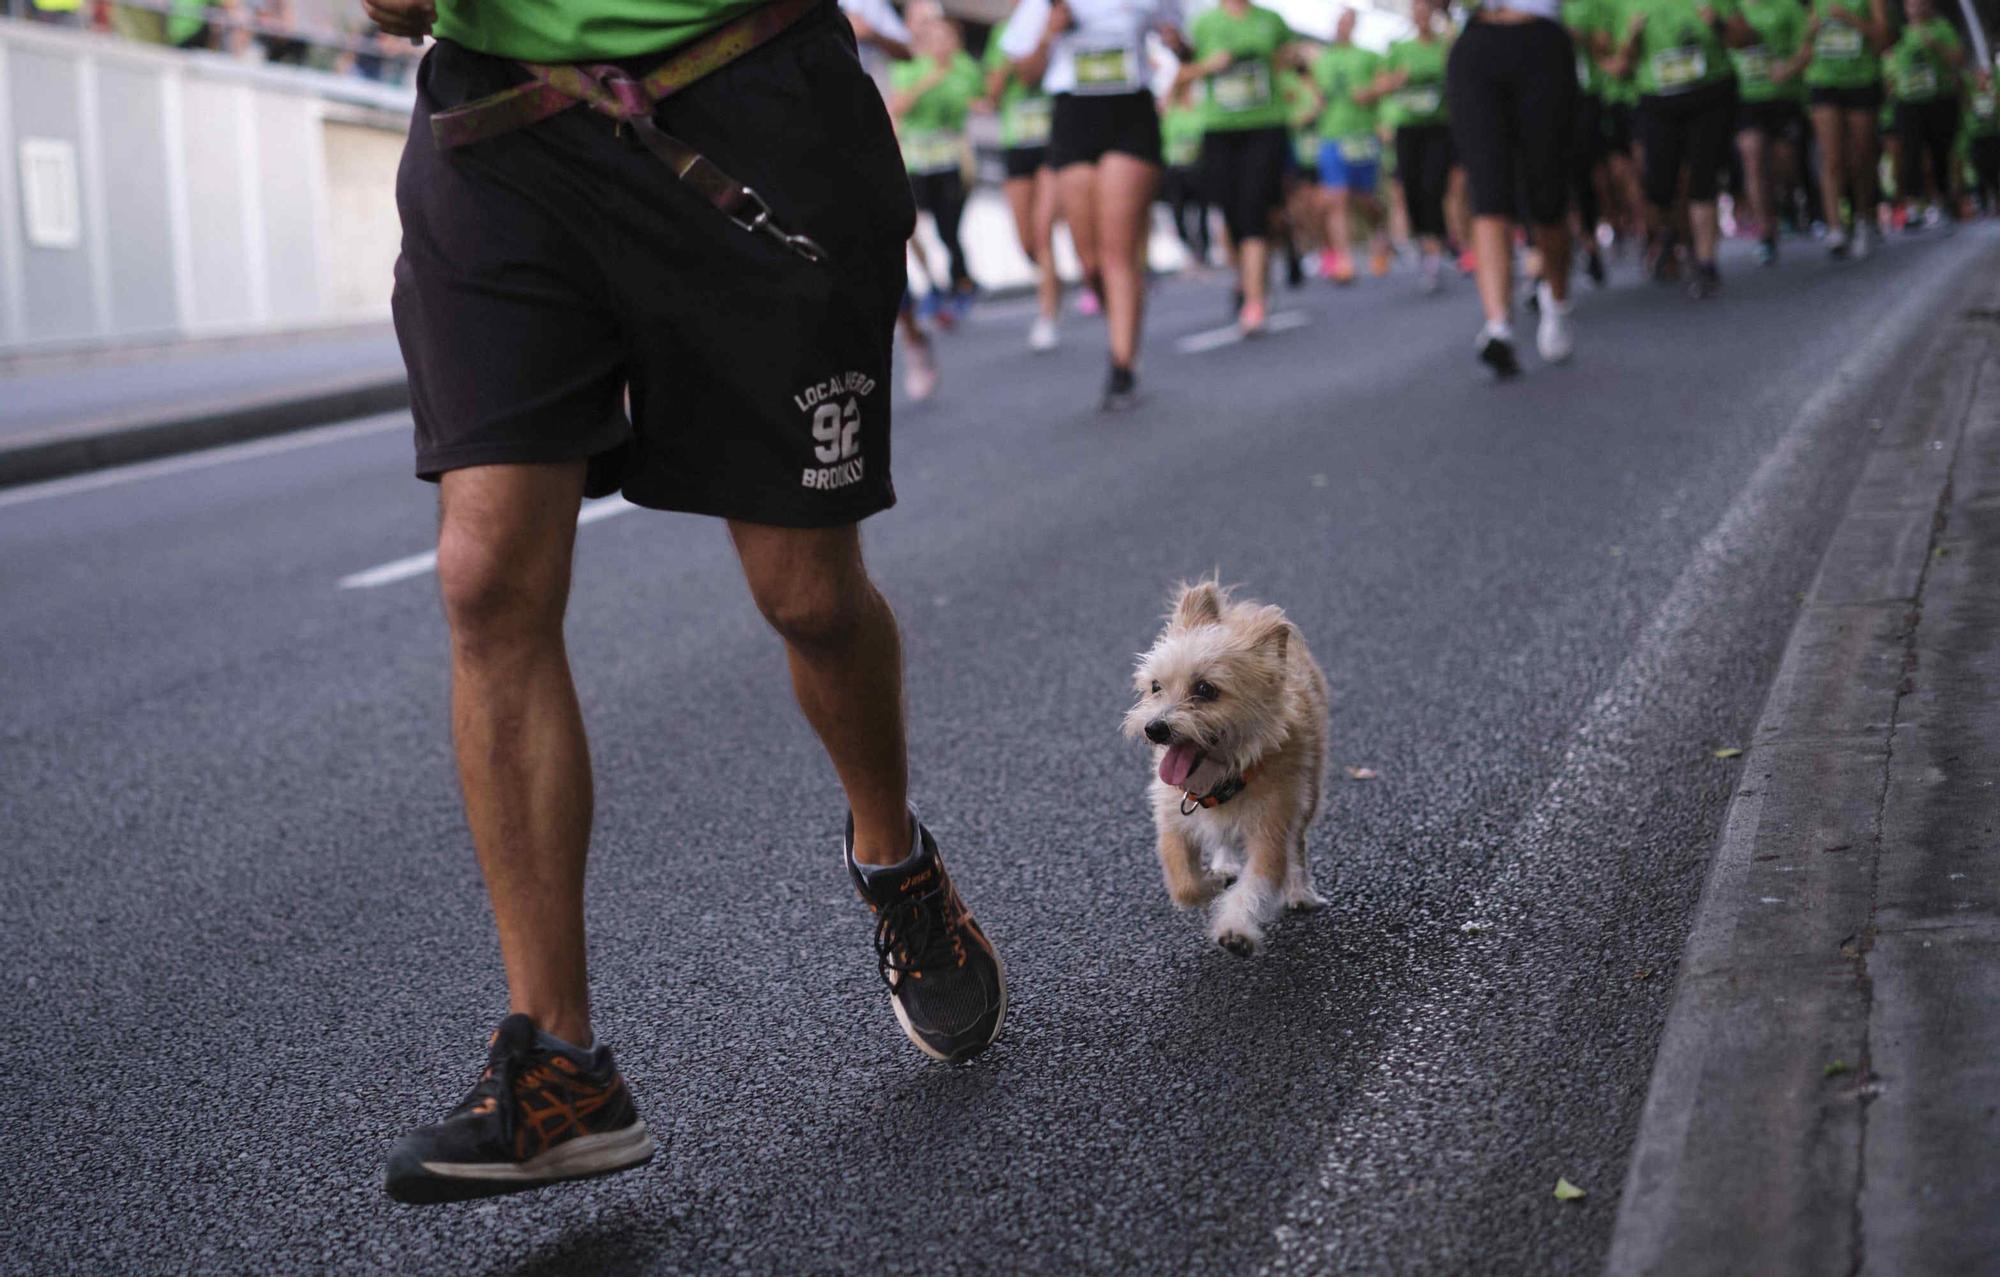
{"type": "Point", "coordinates": [1339, 229]}
{"type": "Point", "coordinates": [1125, 188]}
{"type": "Point", "coordinates": [1706, 223]}
{"type": "Point", "coordinates": [1048, 285]}
{"type": "Point", "coordinates": [1493, 245]}
{"type": "Point", "coordinates": [847, 668]}
{"type": "Point", "coordinates": [1552, 242]}
{"type": "Point", "coordinates": [1076, 194]}
{"type": "Point", "coordinates": [1254, 269]}
{"type": "Point", "coordinates": [1831, 134]}
{"type": "Point", "coordinates": [1863, 149]}
{"type": "Point", "coordinates": [1756, 180]}
{"type": "Point", "coordinates": [504, 542]}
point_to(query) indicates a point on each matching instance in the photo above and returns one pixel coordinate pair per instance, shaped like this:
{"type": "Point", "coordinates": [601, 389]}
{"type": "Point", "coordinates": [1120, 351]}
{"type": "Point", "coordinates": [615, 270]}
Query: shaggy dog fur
{"type": "Point", "coordinates": [1229, 692]}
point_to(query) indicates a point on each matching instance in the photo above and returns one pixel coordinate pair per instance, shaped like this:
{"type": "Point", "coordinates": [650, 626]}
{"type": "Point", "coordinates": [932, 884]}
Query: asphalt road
{"type": "Point", "coordinates": [243, 940]}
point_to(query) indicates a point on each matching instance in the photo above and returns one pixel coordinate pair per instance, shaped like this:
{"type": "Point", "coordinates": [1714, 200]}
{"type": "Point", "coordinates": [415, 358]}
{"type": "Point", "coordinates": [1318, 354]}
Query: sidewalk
{"type": "Point", "coordinates": [65, 414]}
{"type": "Point", "coordinates": [1826, 1098]}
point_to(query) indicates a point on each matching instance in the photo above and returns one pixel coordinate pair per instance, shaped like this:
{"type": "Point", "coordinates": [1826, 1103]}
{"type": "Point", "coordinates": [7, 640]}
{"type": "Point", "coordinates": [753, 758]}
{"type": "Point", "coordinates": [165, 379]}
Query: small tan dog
{"type": "Point", "coordinates": [1236, 707]}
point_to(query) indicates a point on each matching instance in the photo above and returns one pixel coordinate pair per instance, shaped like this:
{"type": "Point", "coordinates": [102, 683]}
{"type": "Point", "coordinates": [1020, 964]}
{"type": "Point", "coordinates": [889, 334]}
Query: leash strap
{"type": "Point", "coordinates": [610, 91]}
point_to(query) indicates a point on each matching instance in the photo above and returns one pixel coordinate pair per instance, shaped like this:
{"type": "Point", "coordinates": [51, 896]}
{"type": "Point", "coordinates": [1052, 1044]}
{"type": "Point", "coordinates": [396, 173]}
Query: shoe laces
{"type": "Point", "coordinates": [916, 933]}
{"type": "Point", "coordinates": [507, 1066]}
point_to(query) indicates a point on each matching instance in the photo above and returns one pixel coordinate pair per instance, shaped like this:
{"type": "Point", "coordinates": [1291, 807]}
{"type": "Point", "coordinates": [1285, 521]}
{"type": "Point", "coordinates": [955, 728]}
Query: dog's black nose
{"type": "Point", "coordinates": [1158, 732]}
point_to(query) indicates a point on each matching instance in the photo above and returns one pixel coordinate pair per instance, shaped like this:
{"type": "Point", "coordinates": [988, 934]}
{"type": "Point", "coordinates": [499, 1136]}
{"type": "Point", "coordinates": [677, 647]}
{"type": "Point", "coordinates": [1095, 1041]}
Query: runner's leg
{"type": "Point", "coordinates": [1830, 133]}
{"type": "Point", "coordinates": [1122, 193]}
{"type": "Point", "coordinates": [504, 542]}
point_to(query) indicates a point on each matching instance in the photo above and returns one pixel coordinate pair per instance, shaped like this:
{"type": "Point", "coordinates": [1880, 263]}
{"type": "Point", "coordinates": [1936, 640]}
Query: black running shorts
{"type": "Point", "coordinates": [1243, 171]}
{"type": "Point", "coordinates": [1865, 97]}
{"type": "Point", "coordinates": [1512, 91]}
{"type": "Point", "coordinates": [1688, 132]}
{"type": "Point", "coordinates": [1087, 125]}
{"type": "Point", "coordinates": [1024, 161]}
{"type": "Point", "coordinates": [547, 270]}
{"type": "Point", "coordinates": [1780, 119]}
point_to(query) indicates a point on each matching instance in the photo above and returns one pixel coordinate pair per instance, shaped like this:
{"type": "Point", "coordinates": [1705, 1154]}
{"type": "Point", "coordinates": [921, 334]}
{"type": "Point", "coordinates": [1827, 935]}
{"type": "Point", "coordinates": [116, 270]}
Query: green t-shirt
{"type": "Point", "coordinates": [1678, 52]}
{"type": "Point", "coordinates": [1024, 110]}
{"type": "Point", "coordinates": [1982, 110]}
{"type": "Point", "coordinates": [1915, 73]}
{"type": "Point", "coordinates": [1780, 25]}
{"type": "Point", "coordinates": [1585, 20]}
{"type": "Point", "coordinates": [1180, 136]}
{"type": "Point", "coordinates": [1841, 56]}
{"type": "Point", "coordinates": [932, 131]}
{"type": "Point", "coordinates": [1421, 99]}
{"type": "Point", "coordinates": [1243, 95]}
{"type": "Point", "coordinates": [581, 30]}
{"type": "Point", "coordinates": [1339, 71]}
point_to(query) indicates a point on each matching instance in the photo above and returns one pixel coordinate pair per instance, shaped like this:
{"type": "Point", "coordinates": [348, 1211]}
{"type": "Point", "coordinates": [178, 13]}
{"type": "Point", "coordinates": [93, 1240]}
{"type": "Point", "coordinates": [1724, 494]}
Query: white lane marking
{"type": "Point", "coordinates": [418, 564]}
{"type": "Point", "coordinates": [1229, 335]}
{"type": "Point", "coordinates": [119, 475]}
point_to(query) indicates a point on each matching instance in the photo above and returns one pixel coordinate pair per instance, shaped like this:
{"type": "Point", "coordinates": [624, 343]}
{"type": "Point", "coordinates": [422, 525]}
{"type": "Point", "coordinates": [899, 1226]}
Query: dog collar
{"type": "Point", "coordinates": [1226, 789]}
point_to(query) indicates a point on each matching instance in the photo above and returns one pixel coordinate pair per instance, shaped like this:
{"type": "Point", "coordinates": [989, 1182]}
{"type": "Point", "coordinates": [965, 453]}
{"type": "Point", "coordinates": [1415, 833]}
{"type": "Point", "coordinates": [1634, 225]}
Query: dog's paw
{"type": "Point", "coordinates": [1242, 944]}
{"type": "Point", "coordinates": [1305, 900]}
{"type": "Point", "coordinates": [1195, 893]}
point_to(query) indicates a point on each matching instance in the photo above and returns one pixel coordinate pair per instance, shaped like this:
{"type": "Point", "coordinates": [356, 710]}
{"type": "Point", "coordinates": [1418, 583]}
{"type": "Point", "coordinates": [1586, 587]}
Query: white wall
{"type": "Point", "coordinates": [211, 196]}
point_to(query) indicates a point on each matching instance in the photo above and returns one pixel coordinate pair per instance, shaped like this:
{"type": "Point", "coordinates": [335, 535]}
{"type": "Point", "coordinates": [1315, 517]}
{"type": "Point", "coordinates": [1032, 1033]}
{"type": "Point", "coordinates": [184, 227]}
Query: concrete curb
{"type": "Point", "coordinates": [94, 445]}
{"type": "Point", "coordinates": [1750, 1154]}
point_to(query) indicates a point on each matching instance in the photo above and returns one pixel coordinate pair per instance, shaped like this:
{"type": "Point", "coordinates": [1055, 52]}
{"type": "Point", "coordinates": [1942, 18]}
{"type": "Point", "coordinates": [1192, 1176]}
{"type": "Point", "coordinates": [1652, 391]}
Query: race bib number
{"type": "Point", "coordinates": [1031, 121]}
{"type": "Point", "coordinates": [1678, 68]}
{"type": "Point", "coordinates": [1360, 150]}
{"type": "Point", "coordinates": [1921, 82]}
{"type": "Point", "coordinates": [930, 152]}
{"type": "Point", "coordinates": [1985, 105]}
{"type": "Point", "coordinates": [1243, 87]}
{"type": "Point", "coordinates": [1423, 101]}
{"type": "Point", "coordinates": [1837, 43]}
{"type": "Point", "coordinates": [1112, 70]}
{"type": "Point", "coordinates": [1754, 64]}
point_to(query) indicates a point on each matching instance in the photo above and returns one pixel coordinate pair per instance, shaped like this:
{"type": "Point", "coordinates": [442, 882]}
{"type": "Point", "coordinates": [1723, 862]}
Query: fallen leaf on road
{"type": "Point", "coordinates": [1643, 973]}
{"type": "Point", "coordinates": [1474, 928]}
{"type": "Point", "coordinates": [1835, 1068]}
{"type": "Point", "coordinates": [1731, 752]}
{"type": "Point", "coordinates": [1566, 1191]}
{"type": "Point", "coordinates": [1362, 773]}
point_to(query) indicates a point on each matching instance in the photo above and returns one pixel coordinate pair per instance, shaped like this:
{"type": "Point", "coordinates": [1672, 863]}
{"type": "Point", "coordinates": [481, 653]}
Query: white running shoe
{"type": "Point", "coordinates": [1042, 335]}
{"type": "Point", "coordinates": [1836, 243]}
{"type": "Point", "coordinates": [1553, 337]}
{"type": "Point", "coordinates": [1431, 278]}
{"type": "Point", "coordinates": [1864, 236]}
{"type": "Point", "coordinates": [920, 378]}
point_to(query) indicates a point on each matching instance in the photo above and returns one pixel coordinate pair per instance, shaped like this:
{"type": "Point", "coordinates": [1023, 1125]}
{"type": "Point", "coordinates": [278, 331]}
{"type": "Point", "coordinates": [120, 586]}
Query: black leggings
{"type": "Point", "coordinates": [1986, 166]}
{"type": "Point", "coordinates": [1181, 189]}
{"type": "Point", "coordinates": [1691, 130]}
{"type": "Point", "coordinates": [1423, 161]}
{"type": "Point", "coordinates": [942, 195]}
{"type": "Point", "coordinates": [1586, 149]}
{"type": "Point", "coordinates": [1244, 171]}
{"type": "Point", "coordinates": [1512, 92]}
{"type": "Point", "coordinates": [1927, 128]}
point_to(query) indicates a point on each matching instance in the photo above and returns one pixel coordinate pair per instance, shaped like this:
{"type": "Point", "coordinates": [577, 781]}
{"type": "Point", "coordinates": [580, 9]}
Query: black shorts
{"type": "Point", "coordinates": [1087, 125]}
{"type": "Point", "coordinates": [1691, 131]}
{"type": "Point", "coordinates": [1243, 171]}
{"type": "Point", "coordinates": [546, 270]}
{"type": "Point", "coordinates": [1024, 161]}
{"type": "Point", "coordinates": [1867, 97]}
{"type": "Point", "coordinates": [1617, 128]}
{"type": "Point", "coordinates": [1779, 119]}
{"type": "Point", "coordinates": [1512, 91]}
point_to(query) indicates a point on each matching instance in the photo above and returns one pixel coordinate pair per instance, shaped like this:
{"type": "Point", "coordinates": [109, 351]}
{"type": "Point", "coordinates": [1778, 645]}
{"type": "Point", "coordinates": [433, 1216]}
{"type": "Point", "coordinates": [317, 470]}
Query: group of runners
{"type": "Point", "coordinates": [1560, 127]}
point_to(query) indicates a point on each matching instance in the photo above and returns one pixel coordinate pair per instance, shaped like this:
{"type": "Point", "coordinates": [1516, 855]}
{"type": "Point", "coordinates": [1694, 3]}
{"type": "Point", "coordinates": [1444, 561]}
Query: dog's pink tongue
{"type": "Point", "coordinates": [1179, 762]}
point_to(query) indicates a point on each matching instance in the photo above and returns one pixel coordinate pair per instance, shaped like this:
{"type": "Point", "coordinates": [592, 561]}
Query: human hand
{"type": "Point", "coordinates": [412, 18]}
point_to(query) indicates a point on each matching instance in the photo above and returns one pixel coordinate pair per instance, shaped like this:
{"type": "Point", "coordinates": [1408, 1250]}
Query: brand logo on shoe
{"type": "Point", "coordinates": [834, 408]}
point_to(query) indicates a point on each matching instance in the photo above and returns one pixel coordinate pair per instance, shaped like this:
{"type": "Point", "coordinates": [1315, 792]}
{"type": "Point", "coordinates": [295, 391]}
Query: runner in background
{"type": "Point", "coordinates": [930, 97]}
{"type": "Point", "coordinates": [1239, 49]}
{"type": "Point", "coordinates": [1296, 225]}
{"type": "Point", "coordinates": [1678, 54]}
{"type": "Point", "coordinates": [1104, 144]}
{"type": "Point", "coordinates": [1412, 82]}
{"type": "Point", "coordinates": [1511, 87]}
{"type": "Point", "coordinates": [1589, 24]}
{"type": "Point", "coordinates": [1924, 66]}
{"type": "Point", "coordinates": [1181, 190]}
{"type": "Point", "coordinates": [1029, 184]}
{"type": "Point", "coordinates": [881, 37]}
{"type": "Point", "coordinates": [1620, 129]}
{"type": "Point", "coordinates": [1350, 153]}
{"type": "Point", "coordinates": [1770, 123]}
{"type": "Point", "coordinates": [1843, 74]}
{"type": "Point", "coordinates": [1982, 137]}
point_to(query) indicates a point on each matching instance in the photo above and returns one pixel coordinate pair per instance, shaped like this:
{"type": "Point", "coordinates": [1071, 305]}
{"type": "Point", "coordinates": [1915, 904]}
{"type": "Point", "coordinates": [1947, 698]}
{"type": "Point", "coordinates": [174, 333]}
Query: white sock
{"type": "Point", "coordinates": [1497, 328]}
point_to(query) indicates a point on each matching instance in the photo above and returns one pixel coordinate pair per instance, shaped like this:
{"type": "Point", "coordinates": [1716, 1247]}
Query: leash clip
{"type": "Point", "coordinates": [762, 222]}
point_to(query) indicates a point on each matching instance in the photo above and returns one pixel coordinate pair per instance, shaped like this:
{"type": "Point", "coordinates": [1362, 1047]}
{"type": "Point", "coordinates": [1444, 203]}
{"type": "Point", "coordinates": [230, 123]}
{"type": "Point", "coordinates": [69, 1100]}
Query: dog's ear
{"type": "Point", "coordinates": [1271, 631]}
{"type": "Point", "coordinates": [1198, 604]}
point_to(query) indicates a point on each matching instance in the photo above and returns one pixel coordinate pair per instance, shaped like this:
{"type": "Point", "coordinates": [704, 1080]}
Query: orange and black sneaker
{"type": "Point", "coordinates": [946, 984]}
{"type": "Point", "coordinates": [538, 1115]}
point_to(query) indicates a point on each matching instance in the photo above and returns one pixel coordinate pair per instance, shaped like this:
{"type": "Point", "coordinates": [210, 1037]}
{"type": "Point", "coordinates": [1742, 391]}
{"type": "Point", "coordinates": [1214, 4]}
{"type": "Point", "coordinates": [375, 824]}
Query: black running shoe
{"type": "Point", "coordinates": [1121, 390]}
{"type": "Point", "coordinates": [946, 983]}
{"type": "Point", "coordinates": [1593, 266]}
{"type": "Point", "coordinates": [1497, 353]}
{"type": "Point", "coordinates": [535, 1117]}
{"type": "Point", "coordinates": [1704, 281]}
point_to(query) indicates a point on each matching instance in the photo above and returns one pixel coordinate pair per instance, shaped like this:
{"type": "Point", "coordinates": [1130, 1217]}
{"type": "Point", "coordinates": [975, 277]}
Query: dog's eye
{"type": "Point", "coordinates": [1156, 687]}
{"type": "Point", "coordinates": [1205, 690]}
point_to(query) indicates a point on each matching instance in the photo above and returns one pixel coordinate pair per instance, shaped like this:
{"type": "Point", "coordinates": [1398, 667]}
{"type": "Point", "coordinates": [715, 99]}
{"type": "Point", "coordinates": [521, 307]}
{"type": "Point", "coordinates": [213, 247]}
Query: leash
{"type": "Point", "coordinates": [1226, 789]}
{"type": "Point", "coordinates": [612, 92]}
